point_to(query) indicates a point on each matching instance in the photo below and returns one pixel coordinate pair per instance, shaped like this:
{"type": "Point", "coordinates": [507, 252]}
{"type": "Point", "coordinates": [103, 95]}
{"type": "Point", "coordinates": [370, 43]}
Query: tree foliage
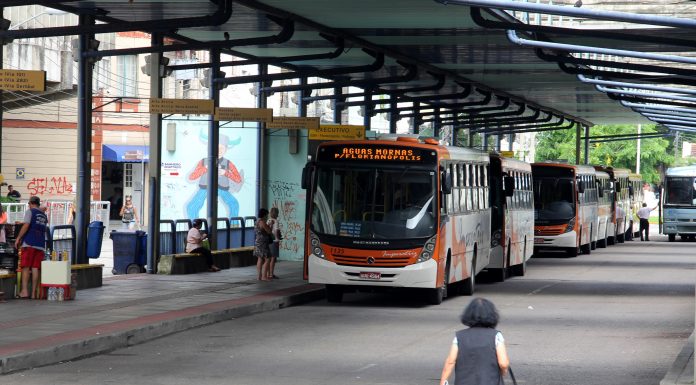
{"type": "Point", "coordinates": [655, 153]}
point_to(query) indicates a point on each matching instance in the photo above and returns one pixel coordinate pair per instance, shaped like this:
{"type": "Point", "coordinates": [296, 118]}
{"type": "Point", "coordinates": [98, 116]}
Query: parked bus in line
{"type": "Point", "coordinates": [636, 194]}
{"type": "Point", "coordinates": [565, 207]}
{"type": "Point", "coordinates": [512, 216]}
{"type": "Point", "coordinates": [623, 201]}
{"type": "Point", "coordinates": [678, 202]}
{"type": "Point", "coordinates": [404, 212]}
{"type": "Point", "coordinates": [605, 206]}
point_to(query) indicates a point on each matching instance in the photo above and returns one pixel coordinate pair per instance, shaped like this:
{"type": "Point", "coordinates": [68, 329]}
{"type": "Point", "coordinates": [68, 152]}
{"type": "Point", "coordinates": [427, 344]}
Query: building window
{"type": "Point", "coordinates": [128, 175]}
{"type": "Point", "coordinates": [128, 75]}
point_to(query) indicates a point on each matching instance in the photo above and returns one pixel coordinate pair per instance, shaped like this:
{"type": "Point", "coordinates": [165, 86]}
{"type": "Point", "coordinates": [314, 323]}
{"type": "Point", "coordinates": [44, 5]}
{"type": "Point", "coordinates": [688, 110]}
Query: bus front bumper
{"type": "Point", "coordinates": [420, 275]}
{"type": "Point", "coordinates": [565, 240]}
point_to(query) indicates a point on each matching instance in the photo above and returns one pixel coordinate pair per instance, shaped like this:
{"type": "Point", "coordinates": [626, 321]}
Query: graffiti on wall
{"type": "Point", "coordinates": [50, 185]}
{"type": "Point", "coordinates": [288, 197]}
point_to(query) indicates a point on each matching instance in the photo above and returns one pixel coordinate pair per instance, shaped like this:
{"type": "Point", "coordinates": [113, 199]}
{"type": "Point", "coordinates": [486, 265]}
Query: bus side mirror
{"type": "Point", "coordinates": [446, 182]}
{"type": "Point", "coordinates": [307, 176]}
{"type": "Point", "coordinates": [581, 187]}
{"type": "Point", "coordinates": [509, 185]}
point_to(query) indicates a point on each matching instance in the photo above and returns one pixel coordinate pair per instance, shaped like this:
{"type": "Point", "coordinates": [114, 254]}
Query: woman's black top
{"type": "Point", "coordinates": [477, 362]}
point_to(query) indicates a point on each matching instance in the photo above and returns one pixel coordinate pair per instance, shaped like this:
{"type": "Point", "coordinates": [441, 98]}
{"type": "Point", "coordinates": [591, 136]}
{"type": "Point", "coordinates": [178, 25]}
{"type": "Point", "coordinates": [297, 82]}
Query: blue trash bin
{"type": "Point", "coordinates": [95, 235]}
{"type": "Point", "coordinates": [130, 250]}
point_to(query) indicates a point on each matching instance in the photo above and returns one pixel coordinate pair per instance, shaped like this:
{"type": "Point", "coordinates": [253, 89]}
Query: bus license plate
{"type": "Point", "coordinates": [370, 275]}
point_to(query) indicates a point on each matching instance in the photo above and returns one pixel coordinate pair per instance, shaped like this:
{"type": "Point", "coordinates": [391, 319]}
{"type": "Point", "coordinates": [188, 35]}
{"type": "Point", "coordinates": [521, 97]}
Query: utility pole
{"type": "Point", "coordinates": [638, 155]}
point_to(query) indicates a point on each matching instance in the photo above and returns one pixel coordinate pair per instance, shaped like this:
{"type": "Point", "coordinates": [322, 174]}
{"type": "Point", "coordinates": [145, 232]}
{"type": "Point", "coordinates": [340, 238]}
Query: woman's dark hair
{"type": "Point", "coordinates": [197, 223]}
{"type": "Point", "coordinates": [262, 213]}
{"type": "Point", "coordinates": [480, 313]}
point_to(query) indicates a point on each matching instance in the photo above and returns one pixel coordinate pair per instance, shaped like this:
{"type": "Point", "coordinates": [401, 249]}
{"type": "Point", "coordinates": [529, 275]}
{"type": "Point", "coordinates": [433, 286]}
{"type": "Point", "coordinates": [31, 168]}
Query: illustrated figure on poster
{"type": "Point", "coordinates": [230, 181]}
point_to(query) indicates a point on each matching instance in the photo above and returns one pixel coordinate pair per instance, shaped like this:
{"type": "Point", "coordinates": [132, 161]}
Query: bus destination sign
{"type": "Point", "coordinates": [378, 153]}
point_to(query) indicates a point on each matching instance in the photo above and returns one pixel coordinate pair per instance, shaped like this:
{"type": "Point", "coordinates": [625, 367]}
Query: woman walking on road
{"type": "Point", "coordinates": [478, 355]}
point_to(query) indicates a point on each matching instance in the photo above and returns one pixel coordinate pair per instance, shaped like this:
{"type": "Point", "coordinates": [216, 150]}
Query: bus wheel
{"type": "Point", "coordinates": [572, 252]}
{"type": "Point", "coordinates": [620, 238]}
{"type": "Point", "coordinates": [610, 241]}
{"type": "Point", "coordinates": [602, 243]}
{"type": "Point", "coordinates": [520, 270]}
{"type": "Point", "coordinates": [334, 293]}
{"type": "Point", "coordinates": [469, 283]}
{"type": "Point", "coordinates": [585, 248]}
{"type": "Point", "coordinates": [672, 237]}
{"type": "Point", "coordinates": [435, 296]}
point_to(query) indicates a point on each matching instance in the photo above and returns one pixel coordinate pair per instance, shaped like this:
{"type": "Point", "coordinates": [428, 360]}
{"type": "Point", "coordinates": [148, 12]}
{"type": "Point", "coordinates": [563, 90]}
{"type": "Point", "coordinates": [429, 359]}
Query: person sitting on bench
{"type": "Point", "coordinates": [194, 244]}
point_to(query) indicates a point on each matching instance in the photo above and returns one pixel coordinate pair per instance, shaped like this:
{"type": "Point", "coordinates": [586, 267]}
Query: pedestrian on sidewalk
{"type": "Point", "coordinates": [32, 238]}
{"type": "Point", "coordinates": [129, 214]}
{"type": "Point", "coordinates": [478, 355]}
{"type": "Point", "coordinates": [12, 193]}
{"type": "Point", "coordinates": [262, 249]}
{"type": "Point", "coordinates": [194, 244]}
{"type": "Point", "coordinates": [644, 216]}
{"type": "Point", "coordinates": [275, 243]}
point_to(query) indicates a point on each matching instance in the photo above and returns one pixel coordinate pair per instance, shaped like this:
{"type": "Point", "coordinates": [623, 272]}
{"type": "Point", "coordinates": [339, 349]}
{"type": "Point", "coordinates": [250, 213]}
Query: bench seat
{"type": "Point", "coordinates": [187, 263]}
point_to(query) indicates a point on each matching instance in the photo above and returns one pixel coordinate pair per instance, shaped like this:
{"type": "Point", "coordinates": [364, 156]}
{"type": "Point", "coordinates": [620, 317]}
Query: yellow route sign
{"type": "Point", "coordinates": [19, 80]}
{"type": "Point", "coordinates": [181, 106]}
{"type": "Point", "coordinates": [337, 132]}
{"type": "Point", "coordinates": [507, 154]}
{"type": "Point", "coordinates": [293, 123]}
{"type": "Point", "coordinates": [244, 114]}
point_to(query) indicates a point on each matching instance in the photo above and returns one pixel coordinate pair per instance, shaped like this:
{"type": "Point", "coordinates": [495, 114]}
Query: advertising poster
{"type": "Point", "coordinates": [185, 169]}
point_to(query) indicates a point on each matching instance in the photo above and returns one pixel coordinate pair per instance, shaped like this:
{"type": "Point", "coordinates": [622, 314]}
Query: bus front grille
{"type": "Point", "coordinates": [549, 231]}
{"type": "Point", "coordinates": [352, 260]}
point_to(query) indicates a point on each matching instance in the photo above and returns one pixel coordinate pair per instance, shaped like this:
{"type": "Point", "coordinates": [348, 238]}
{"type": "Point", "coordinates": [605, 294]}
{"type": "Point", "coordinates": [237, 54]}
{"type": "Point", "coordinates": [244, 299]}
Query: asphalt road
{"type": "Point", "coordinates": [618, 316]}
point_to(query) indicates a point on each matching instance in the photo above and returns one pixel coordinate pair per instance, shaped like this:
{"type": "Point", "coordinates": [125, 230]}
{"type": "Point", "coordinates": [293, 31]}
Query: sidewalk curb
{"type": "Point", "coordinates": [100, 343]}
{"type": "Point", "coordinates": [682, 364]}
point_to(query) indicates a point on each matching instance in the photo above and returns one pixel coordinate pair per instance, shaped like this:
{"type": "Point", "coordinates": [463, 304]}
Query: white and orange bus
{"type": "Point", "coordinates": [636, 195]}
{"type": "Point", "coordinates": [565, 207]}
{"type": "Point", "coordinates": [404, 212]}
{"type": "Point", "coordinates": [605, 206]}
{"type": "Point", "coordinates": [512, 216]}
{"type": "Point", "coordinates": [623, 201]}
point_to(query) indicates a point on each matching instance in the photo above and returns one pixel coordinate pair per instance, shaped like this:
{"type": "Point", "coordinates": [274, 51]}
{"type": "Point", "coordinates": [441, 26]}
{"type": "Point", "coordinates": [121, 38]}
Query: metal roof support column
{"type": "Point", "coordinates": [337, 108]}
{"type": "Point", "coordinates": [393, 114]}
{"type": "Point", "coordinates": [155, 171]}
{"type": "Point", "coordinates": [213, 149]}
{"type": "Point", "coordinates": [437, 125]}
{"type": "Point", "coordinates": [2, 46]}
{"type": "Point", "coordinates": [455, 124]}
{"type": "Point", "coordinates": [511, 138]}
{"type": "Point", "coordinates": [84, 139]}
{"type": "Point", "coordinates": [498, 142]}
{"type": "Point", "coordinates": [484, 141]}
{"type": "Point", "coordinates": [587, 144]}
{"type": "Point", "coordinates": [416, 117]}
{"type": "Point", "coordinates": [578, 129]}
{"type": "Point", "coordinates": [261, 102]}
{"type": "Point", "coordinates": [368, 107]}
{"type": "Point", "coordinates": [302, 104]}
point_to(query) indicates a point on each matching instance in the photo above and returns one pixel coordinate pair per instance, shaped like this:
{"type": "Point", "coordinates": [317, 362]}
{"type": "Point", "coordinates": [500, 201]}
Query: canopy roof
{"type": "Point", "coordinates": [454, 50]}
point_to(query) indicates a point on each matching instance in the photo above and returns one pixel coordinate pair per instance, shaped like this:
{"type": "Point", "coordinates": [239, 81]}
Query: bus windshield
{"type": "Point", "coordinates": [374, 203]}
{"type": "Point", "coordinates": [681, 191]}
{"type": "Point", "coordinates": [554, 200]}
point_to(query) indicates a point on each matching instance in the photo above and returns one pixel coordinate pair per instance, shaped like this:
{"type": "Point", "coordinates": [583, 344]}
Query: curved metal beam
{"type": "Point", "coordinates": [577, 12]}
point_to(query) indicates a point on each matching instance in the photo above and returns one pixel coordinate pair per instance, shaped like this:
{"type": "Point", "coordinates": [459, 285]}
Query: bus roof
{"type": "Point", "coordinates": [635, 177]}
{"type": "Point", "coordinates": [601, 174]}
{"type": "Point", "coordinates": [579, 168]}
{"type": "Point", "coordinates": [512, 163]}
{"type": "Point", "coordinates": [681, 171]}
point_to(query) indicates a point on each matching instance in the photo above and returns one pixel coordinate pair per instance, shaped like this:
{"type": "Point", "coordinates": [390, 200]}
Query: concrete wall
{"type": "Point", "coordinates": [284, 172]}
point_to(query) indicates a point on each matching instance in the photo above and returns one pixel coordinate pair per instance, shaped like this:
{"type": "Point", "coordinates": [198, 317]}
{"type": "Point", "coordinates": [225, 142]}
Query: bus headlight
{"type": "Point", "coordinates": [428, 250]}
{"type": "Point", "coordinates": [571, 225]}
{"type": "Point", "coordinates": [315, 245]}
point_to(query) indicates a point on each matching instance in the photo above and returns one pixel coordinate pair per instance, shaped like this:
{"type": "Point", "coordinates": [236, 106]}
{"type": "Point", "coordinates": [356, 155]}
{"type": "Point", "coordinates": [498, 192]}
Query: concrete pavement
{"type": "Point", "coordinates": [131, 309]}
